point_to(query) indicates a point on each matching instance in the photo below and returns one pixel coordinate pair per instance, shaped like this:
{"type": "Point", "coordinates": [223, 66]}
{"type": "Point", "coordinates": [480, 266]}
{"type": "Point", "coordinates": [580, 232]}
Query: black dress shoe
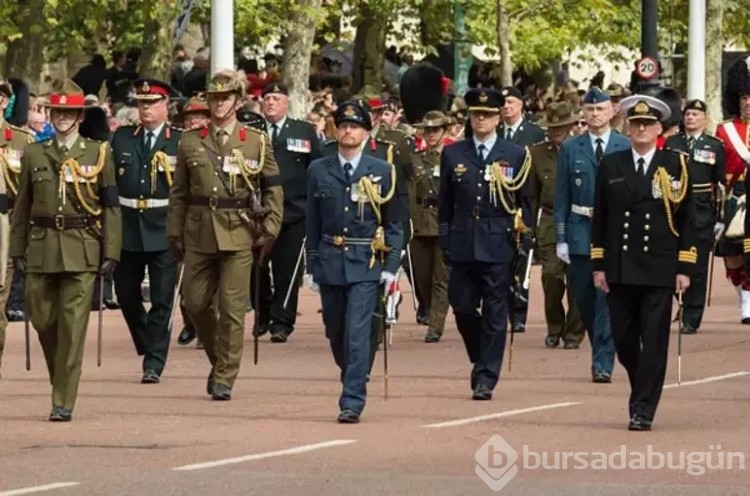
{"type": "Point", "coordinates": [552, 341]}
{"type": "Point", "coordinates": [279, 335]}
{"type": "Point", "coordinates": [221, 392]}
{"type": "Point", "coordinates": [688, 329]}
{"type": "Point", "coordinates": [432, 336]}
{"type": "Point", "coordinates": [639, 423]}
{"type": "Point", "coordinates": [260, 329]}
{"type": "Point", "coordinates": [482, 393]}
{"type": "Point", "coordinates": [186, 336]}
{"type": "Point", "coordinates": [60, 414]}
{"type": "Point", "coordinates": [15, 316]}
{"type": "Point", "coordinates": [210, 383]}
{"type": "Point", "coordinates": [746, 321]}
{"type": "Point", "coordinates": [602, 378]}
{"type": "Point", "coordinates": [348, 417]}
{"type": "Point", "coordinates": [571, 346]}
{"type": "Point", "coordinates": [111, 304]}
{"type": "Point", "coordinates": [518, 327]}
{"type": "Point", "coordinates": [150, 377]}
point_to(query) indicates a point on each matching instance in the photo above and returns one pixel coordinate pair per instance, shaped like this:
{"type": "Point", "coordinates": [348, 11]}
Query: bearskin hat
{"type": "Point", "coordinates": [95, 125]}
{"type": "Point", "coordinates": [673, 99]}
{"type": "Point", "coordinates": [423, 87]}
{"type": "Point", "coordinates": [19, 114]}
{"type": "Point", "coordinates": [737, 84]}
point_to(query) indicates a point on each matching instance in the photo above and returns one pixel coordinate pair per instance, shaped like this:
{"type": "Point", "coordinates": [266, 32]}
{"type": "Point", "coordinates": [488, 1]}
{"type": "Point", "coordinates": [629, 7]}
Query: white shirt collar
{"type": "Point", "coordinates": [156, 132]}
{"type": "Point", "coordinates": [354, 161]}
{"type": "Point", "coordinates": [489, 143]}
{"type": "Point", "coordinates": [647, 157]}
{"type": "Point", "coordinates": [604, 137]}
{"type": "Point", "coordinates": [513, 127]}
{"type": "Point", "coordinates": [68, 142]}
{"type": "Point", "coordinates": [279, 126]}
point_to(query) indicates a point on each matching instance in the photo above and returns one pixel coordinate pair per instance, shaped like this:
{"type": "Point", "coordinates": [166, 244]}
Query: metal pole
{"type": "Point", "coordinates": [649, 41]}
{"type": "Point", "coordinates": [461, 51]}
{"type": "Point", "coordinates": [697, 50]}
{"type": "Point", "coordinates": [222, 35]}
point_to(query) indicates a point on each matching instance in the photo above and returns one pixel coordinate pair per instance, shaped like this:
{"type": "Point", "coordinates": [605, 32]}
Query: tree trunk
{"type": "Point", "coordinates": [25, 55]}
{"type": "Point", "coordinates": [369, 50]}
{"type": "Point", "coordinates": [158, 32]}
{"type": "Point", "coordinates": [714, 49]}
{"type": "Point", "coordinates": [297, 51]}
{"type": "Point", "coordinates": [503, 45]}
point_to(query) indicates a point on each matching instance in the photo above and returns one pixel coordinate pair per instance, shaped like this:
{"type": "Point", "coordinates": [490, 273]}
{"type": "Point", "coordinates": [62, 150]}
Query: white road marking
{"type": "Point", "coordinates": [38, 489]}
{"type": "Point", "coordinates": [708, 379]}
{"type": "Point", "coordinates": [270, 454]}
{"type": "Point", "coordinates": [491, 416]}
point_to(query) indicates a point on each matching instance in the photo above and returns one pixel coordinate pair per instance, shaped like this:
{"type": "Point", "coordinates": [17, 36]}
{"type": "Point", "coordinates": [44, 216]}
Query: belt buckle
{"type": "Point", "coordinates": [59, 222]}
{"type": "Point", "coordinates": [213, 202]}
{"type": "Point", "coordinates": [338, 241]}
{"type": "Point", "coordinates": [141, 204]}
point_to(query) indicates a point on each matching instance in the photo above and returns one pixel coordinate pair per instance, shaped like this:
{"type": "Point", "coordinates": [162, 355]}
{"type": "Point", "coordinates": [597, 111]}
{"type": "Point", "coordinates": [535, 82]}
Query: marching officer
{"type": "Point", "coordinates": [295, 146]}
{"type": "Point", "coordinates": [706, 168]}
{"type": "Point", "coordinates": [517, 129]}
{"type": "Point", "coordinates": [577, 167]}
{"type": "Point", "coordinates": [544, 156]}
{"type": "Point", "coordinates": [430, 270]}
{"type": "Point", "coordinates": [225, 203]}
{"type": "Point", "coordinates": [66, 231]}
{"type": "Point", "coordinates": [354, 240]}
{"type": "Point", "coordinates": [643, 248]}
{"type": "Point", "coordinates": [480, 203]}
{"type": "Point", "coordinates": [145, 156]}
{"type": "Point", "coordinates": [12, 142]}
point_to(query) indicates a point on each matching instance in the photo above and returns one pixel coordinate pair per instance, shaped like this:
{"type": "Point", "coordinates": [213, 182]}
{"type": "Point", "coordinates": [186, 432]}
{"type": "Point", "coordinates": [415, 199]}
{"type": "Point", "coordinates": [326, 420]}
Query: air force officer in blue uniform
{"type": "Point", "coordinates": [573, 211]}
{"type": "Point", "coordinates": [352, 223]}
{"type": "Point", "coordinates": [480, 192]}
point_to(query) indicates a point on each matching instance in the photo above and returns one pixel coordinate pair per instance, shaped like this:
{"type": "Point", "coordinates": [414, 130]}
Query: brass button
{"type": "Point", "coordinates": [624, 247]}
{"type": "Point", "coordinates": [479, 198]}
{"type": "Point", "coordinates": [645, 248]}
{"type": "Point", "coordinates": [431, 192]}
{"type": "Point", "coordinates": [646, 227]}
{"type": "Point", "coordinates": [648, 216]}
{"type": "Point", "coordinates": [347, 190]}
{"type": "Point", "coordinates": [215, 189]}
{"type": "Point", "coordinates": [626, 225]}
{"type": "Point", "coordinates": [624, 236]}
{"type": "Point", "coordinates": [346, 209]}
{"type": "Point", "coordinates": [346, 229]}
{"type": "Point", "coordinates": [346, 248]}
{"type": "Point", "coordinates": [627, 213]}
{"type": "Point", "coordinates": [645, 238]}
{"type": "Point", "coordinates": [480, 185]}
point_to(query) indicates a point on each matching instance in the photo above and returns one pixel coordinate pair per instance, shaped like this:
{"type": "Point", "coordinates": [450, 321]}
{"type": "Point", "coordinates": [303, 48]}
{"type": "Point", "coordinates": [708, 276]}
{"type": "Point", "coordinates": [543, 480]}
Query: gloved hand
{"type": "Point", "coordinates": [108, 267]}
{"type": "Point", "coordinates": [527, 242]}
{"type": "Point", "coordinates": [310, 282]}
{"type": "Point", "coordinates": [19, 264]}
{"type": "Point", "coordinates": [562, 252]}
{"type": "Point", "coordinates": [387, 278]}
{"type": "Point", "coordinates": [263, 247]}
{"type": "Point", "coordinates": [176, 248]}
{"type": "Point", "coordinates": [718, 230]}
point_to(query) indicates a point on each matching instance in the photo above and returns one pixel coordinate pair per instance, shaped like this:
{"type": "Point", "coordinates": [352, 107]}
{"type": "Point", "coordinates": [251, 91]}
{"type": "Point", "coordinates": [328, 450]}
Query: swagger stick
{"type": "Point", "coordinates": [27, 338]}
{"type": "Point", "coordinates": [101, 322]}
{"type": "Point", "coordinates": [679, 341]}
{"type": "Point", "coordinates": [177, 290]}
{"type": "Point", "coordinates": [256, 306]}
{"type": "Point", "coordinates": [293, 283]}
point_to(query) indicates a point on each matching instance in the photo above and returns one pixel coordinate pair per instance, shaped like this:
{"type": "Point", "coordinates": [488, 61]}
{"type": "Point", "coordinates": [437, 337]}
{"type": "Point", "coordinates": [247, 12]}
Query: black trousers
{"type": "Point", "coordinates": [640, 318]}
{"type": "Point", "coordinates": [283, 259]}
{"type": "Point", "coordinates": [148, 330]}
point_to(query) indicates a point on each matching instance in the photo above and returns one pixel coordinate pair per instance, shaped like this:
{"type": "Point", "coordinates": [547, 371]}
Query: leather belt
{"type": "Point", "coordinates": [427, 202]}
{"type": "Point", "coordinates": [581, 210]}
{"type": "Point", "coordinates": [144, 203]}
{"type": "Point", "coordinates": [64, 222]}
{"type": "Point", "coordinates": [343, 240]}
{"type": "Point", "coordinates": [215, 202]}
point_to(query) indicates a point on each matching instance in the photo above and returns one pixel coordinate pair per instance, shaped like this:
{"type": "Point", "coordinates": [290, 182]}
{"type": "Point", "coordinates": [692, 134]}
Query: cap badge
{"type": "Point", "coordinates": [642, 108]}
{"type": "Point", "coordinates": [145, 88]}
{"type": "Point", "coordinates": [349, 111]}
{"type": "Point", "coordinates": [63, 100]}
{"type": "Point", "coordinates": [483, 97]}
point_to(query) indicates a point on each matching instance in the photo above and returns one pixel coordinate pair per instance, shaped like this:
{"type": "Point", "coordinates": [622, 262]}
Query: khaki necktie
{"type": "Point", "coordinates": [222, 136]}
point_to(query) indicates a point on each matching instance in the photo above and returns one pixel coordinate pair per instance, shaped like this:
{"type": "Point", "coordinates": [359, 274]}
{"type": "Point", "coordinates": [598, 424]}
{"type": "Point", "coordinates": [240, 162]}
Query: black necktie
{"type": "Point", "coordinates": [275, 133]}
{"type": "Point", "coordinates": [691, 142]}
{"type": "Point", "coordinates": [149, 141]}
{"type": "Point", "coordinates": [642, 166]}
{"type": "Point", "coordinates": [508, 134]}
{"type": "Point", "coordinates": [348, 171]}
{"type": "Point", "coordinates": [599, 149]}
{"type": "Point", "coordinates": [480, 151]}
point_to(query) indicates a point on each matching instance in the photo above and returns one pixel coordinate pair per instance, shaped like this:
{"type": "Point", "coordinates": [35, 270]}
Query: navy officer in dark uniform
{"type": "Point", "coordinates": [480, 209]}
{"type": "Point", "coordinates": [353, 247]}
{"type": "Point", "coordinates": [643, 249]}
{"type": "Point", "coordinates": [144, 159]}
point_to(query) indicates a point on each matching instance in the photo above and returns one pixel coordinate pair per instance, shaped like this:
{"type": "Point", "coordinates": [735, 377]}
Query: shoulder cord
{"type": "Point", "coordinates": [369, 189]}
{"type": "Point", "coordinates": [247, 173]}
{"type": "Point", "coordinates": [668, 194]}
{"type": "Point", "coordinates": [501, 184]}
{"type": "Point", "coordinates": [7, 170]}
{"type": "Point", "coordinates": [160, 159]}
{"type": "Point", "coordinates": [76, 173]}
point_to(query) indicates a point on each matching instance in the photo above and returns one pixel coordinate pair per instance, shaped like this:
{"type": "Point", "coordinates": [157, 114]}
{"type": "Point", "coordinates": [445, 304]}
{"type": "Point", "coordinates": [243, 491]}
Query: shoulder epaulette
{"type": "Point", "coordinates": [712, 137]}
{"type": "Point", "coordinates": [679, 152]}
{"type": "Point", "coordinates": [193, 130]}
{"type": "Point", "coordinates": [254, 129]}
{"type": "Point", "coordinates": [329, 142]}
{"type": "Point", "coordinates": [21, 130]}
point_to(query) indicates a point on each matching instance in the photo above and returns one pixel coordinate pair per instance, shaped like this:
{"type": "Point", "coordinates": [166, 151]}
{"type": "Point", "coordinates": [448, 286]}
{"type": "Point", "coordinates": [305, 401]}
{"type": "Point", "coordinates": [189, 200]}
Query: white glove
{"type": "Point", "coordinates": [562, 252]}
{"type": "Point", "coordinates": [718, 230]}
{"type": "Point", "coordinates": [387, 278]}
{"type": "Point", "coordinates": [311, 283]}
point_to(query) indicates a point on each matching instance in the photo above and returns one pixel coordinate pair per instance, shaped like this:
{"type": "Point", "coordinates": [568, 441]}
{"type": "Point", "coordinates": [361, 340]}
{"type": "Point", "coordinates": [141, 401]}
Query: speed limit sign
{"type": "Point", "coordinates": [647, 68]}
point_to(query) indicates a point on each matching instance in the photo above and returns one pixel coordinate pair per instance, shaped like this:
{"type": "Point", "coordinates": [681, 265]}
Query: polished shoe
{"type": "Point", "coordinates": [186, 336]}
{"type": "Point", "coordinates": [111, 304]}
{"type": "Point", "coordinates": [601, 378]}
{"type": "Point", "coordinates": [150, 377]}
{"type": "Point", "coordinates": [571, 346]}
{"type": "Point", "coordinates": [221, 392]}
{"type": "Point", "coordinates": [432, 337]}
{"type": "Point", "coordinates": [518, 327]}
{"type": "Point", "coordinates": [60, 414]}
{"type": "Point", "coordinates": [348, 417]}
{"type": "Point", "coordinates": [746, 321]}
{"type": "Point", "coordinates": [482, 393]}
{"type": "Point", "coordinates": [279, 335]}
{"type": "Point", "coordinates": [260, 329]}
{"type": "Point", "coordinates": [688, 329]}
{"type": "Point", "coordinates": [210, 383]}
{"type": "Point", "coordinates": [15, 316]}
{"type": "Point", "coordinates": [639, 423]}
{"type": "Point", "coordinates": [552, 341]}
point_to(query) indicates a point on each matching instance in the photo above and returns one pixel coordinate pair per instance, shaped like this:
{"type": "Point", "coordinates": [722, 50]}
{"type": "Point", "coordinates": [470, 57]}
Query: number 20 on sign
{"type": "Point", "coordinates": [647, 68]}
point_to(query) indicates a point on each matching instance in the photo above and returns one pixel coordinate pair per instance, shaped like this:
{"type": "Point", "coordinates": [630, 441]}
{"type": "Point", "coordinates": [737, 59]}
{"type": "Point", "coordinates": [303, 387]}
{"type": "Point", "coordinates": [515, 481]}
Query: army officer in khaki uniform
{"type": "Point", "coordinates": [66, 228]}
{"type": "Point", "coordinates": [567, 327]}
{"type": "Point", "coordinates": [12, 142]}
{"type": "Point", "coordinates": [225, 202]}
{"type": "Point", "coordinates": [430, 271]}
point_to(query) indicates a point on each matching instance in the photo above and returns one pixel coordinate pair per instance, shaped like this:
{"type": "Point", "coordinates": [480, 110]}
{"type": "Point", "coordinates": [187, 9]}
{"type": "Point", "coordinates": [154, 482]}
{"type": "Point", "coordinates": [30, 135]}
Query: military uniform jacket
{"type": "Point", "coordinates": [574, 189]}
{"type": "Point", "coordinates": [631, 237]}
{"type": "Point", "coordinates": [51, 249]}
{"type": "Point", "coordinates": [527, 133]}
{"type": "Point", "coordinates": [423, 193]}
{"type": "Point", "coordinates": [143, 181]}
{"type": "Point", "coordinates": [13, 140]}
{"type": "Point", "coordinates": [403, 148]}
{"type": "Point", "coordinates": [338, 247]}
{"type": "Point", "coordinates": [296, 147]}
{"type": "Point", "coordinates": [470, 227]}
{"type": "Point", "coordinates": [202, 182]}
{"type": "Point", "coordinates": [706, 165]}
{"type": "Point", "coordinates": [542, 188]}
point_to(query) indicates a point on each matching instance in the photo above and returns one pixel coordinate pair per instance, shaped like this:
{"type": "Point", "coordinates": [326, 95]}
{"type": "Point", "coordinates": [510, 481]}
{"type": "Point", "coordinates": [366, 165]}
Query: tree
{"type": "Point", "coordinates": [158, 32]}
{"type": "Point", "coordinates": [714, 48]}
{"type": "Point", "coordinates": [25, 55]}
{"type": "Point", "coordinates": [503, 44]}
